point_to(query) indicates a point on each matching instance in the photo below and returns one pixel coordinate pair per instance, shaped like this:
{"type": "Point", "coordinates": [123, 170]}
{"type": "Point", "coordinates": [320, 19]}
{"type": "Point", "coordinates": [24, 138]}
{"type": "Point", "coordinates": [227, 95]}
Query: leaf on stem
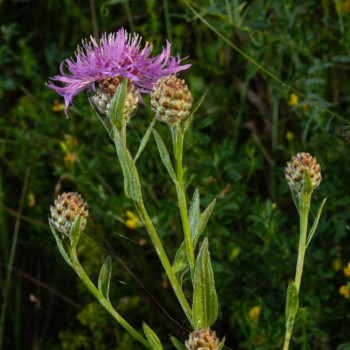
{"type": "Point", "coordinates": [292, 305]}
{"type": "Point", "coordinates": [315, 224]}
{"type": "Point", "coordinates": [104, 279]}
{"type": "Point", "coordinates": [178, 345]}
{"type": "Point", "coordinates": [115, 113]}
{"type": "Point", "coordinates": [164, 155]}
{"type": "Point", "coordinates": [75, 231]}
{"type": "Point", "coordinates": [152, 338]}
{"type": "Point", "coordinates": [188, 121]}
{"type": "Point", "coordinates": [193, 215]}
{"type": "Point", "coordinates": [222, 343]}
{"type": "Point", "coordinates": [203, 220]}
{"type": "Point", "coordinates": [132, 186]}
{"type": "Point", "coordinates": [145, 140]}
{"type": "Point", "coordinates": [205, 302]}
{"type": "Point", "coordinates": [60, 246]}
{"type": "Point", "coordinates": [180, 264]}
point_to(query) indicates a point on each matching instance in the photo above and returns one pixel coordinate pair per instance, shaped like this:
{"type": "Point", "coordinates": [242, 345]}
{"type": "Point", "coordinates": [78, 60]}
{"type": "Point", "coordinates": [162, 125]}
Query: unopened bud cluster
{"type": "Point", "coordinates": [202, 339]}
{"type": "Point", "coordinates": [171, 100]}
{"type": "Point", "coordinates": [102, 96]}
{"type": "Point", "coordinates": [294, 172]}
{"type": "Point", "coordinates": [66, 208]}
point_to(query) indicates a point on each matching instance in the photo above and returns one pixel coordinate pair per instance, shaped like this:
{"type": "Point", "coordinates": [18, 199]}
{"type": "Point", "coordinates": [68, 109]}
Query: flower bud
{"type": "Point", "coordinates": [202, 339]}
{"type": "Point", "coordinates": [102, 96]}
{"type": "Point", "coordinates": [294, 172]}
{"type": "Point", "coordinates": [171, 100]}
{"type": "Point", "coordinates": [66, 208]}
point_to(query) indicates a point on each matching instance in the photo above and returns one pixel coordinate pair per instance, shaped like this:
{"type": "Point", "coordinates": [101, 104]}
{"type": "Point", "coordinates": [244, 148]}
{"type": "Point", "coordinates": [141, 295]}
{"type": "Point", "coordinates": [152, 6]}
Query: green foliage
{"type": "Point", "coordinates": [205, 302]}
{"type": "Point", "coordinates": [239, 141]}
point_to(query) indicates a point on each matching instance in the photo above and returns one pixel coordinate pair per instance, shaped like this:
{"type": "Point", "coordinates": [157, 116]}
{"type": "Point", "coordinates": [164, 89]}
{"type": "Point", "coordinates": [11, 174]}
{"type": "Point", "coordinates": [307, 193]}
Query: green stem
{"type": "Point", "coordinates": [104, 302]}
{"type": "Point", "coordinates": [304, 208]}
{"type": "Point", "coordinates": [146, 220]}
{"type": "Point", "coordinates": [178, 150]}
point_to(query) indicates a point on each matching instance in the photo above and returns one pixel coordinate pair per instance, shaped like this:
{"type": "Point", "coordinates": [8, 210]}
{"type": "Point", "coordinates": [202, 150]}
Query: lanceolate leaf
{"type": "Point", "coordinates": [193, 215]}
{"type": "Point", "coordinates": [75, 232]}
{"type": "Point", "coordinates": [180, 264]}
{"type": "Point", "coordinates": [145, 140]}
{"type": "Point", "coordinates": [188, 121]}
{"type": "Point", "coordinates": [178, 345]}
{"type": "Point", "coordinates": [164, 155]}
{"type": "Point", "coordinates": [104, 278]}
{"type": "Point", "coordinates": [117, 105]}
{"type": "Point", "coordinates": [132, 185]}
{"type": "Point", "coordinates": [314, 226]}
{"type": "Point", "coordinates": [292, 304]}
{"type": "Point", "coordinates": [60, 246]}
{"type": "Point", "coordinates": [222, 343]}
{"type": "Point", "coordinates": [203, 220]}
{"type": "Point", "coordinates": [205, 303]}
{"type": "Point", "coordinates": [152, 338]}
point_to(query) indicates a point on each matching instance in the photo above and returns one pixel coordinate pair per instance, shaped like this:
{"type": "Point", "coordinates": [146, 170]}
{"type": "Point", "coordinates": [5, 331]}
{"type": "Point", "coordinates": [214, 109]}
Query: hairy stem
{"type": "Point", "coordinates": [146, 220]}
{"type": "Point", "coordinates": [104, 302]}
{"type": "Point", "coordinates": [304, 208]}
{"type": "Point", "coordinates": [178, 150]}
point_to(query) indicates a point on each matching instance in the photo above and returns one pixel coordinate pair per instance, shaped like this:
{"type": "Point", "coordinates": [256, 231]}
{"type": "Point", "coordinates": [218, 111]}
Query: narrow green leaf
{"type": "Point", "coordinates": [132, 186]}
{"type": "Point", "coordinates": [60, 246]}
{"type": "Point", "coordinates": [203, 220]}
{"type": "Point", "coordinates": [205, 303]}
{"type": "Point", "coordinates": [145, 140]}
{"type": "Point", "coordinates": [295, 199]}
{"type": "Point", "coordinates": [292, 304]}
{"type": "Point", "coordinates": [152, 338]}
{"type": "Point", "coordinates": [315, 224]}
{"type": "Point", "coordinates": [188, 121]}
{"type": "Point", "coordinates": [75, 232]}
{"type": "Point", "coordinates": [115, 113]}
{"type": "Point", "coordinates": [164, 155]}
{"type": "Point", "coordinates": [178, 345]}
{"type": "Point", "coordinates": [180, 264]}
{"type": "Point", "coordinates": [104, 279]}
{"type": "Point", "coordinates": [193, 215]}
{"type": "Point", "coordinates": [222, 343]}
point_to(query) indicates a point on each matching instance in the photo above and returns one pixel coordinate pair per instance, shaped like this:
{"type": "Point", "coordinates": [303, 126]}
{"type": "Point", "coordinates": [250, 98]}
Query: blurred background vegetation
{"type": "Point", "coordinates": [249, 126]}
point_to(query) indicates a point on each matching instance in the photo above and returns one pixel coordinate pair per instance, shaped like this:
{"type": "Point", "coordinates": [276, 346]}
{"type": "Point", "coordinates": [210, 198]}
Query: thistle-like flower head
{"type": "Point", "coordinates": [294, 172]}
{"type": "Point", "coordinates": [171, 100]}
{"type": "Point", "coordinates": [202, 339]}
{"type": "Point", "coordinates": [66, 208]}
{"type": "Point", "coordinates": [115, 55]}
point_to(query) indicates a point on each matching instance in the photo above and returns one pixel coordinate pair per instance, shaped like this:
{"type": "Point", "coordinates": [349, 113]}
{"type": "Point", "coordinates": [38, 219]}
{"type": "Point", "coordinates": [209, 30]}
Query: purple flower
{"type": "Point", "coordinates": [117, 54]}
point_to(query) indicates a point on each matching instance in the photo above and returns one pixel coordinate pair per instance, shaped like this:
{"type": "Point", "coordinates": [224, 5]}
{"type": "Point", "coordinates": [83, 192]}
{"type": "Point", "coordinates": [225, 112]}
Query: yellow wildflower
{"type": "Point", "coordinates": [337, 264]}
{"type": "Point", "coordinates": [294, 100]}
{"type": "Point", "coordinates": [344, 291]}
{"type": "Point", "coordinates": [254, 314]}
{"type": "Point", "coordinates": [346, 6]}
{"type": "Point", "coordinates": [70, 158]}
{"type": "Point", "coordinates": [290, 136]}
{"type": "Point", "coordinates": [133, 221]}
{"type": "Point", "coordinates": [347, 270]}
{"type": "Point", "coordinates": [31, 199]}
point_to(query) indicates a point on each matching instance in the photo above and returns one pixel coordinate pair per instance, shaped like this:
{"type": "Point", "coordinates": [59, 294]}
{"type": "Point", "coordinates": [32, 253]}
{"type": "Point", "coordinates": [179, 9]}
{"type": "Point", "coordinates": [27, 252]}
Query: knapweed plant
{"type": "Point", "coordinates": [116, 72]}
{"type": "Point", "coordinates": [303, 175]}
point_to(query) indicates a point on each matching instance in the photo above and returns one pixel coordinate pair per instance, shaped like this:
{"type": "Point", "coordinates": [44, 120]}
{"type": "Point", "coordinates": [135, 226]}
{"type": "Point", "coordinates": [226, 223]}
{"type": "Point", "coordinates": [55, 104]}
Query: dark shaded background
{"type": "Point", "coordinates": [239, 143]}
